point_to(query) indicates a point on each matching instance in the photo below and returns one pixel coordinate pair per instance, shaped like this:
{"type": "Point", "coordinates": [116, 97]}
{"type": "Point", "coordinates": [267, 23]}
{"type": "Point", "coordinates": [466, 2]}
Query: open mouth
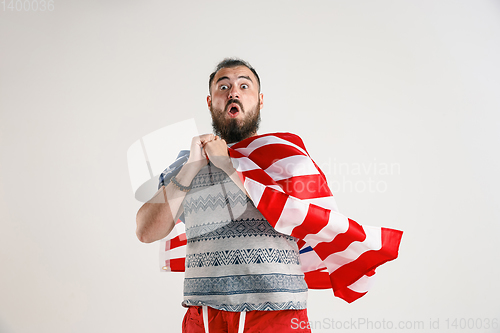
{"type": "Point", "coordinates": [233, 110]}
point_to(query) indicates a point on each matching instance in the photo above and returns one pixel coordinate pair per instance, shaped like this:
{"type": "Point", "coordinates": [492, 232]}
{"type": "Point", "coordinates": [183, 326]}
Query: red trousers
{"type": "Point", "coordinates": [220, 321]}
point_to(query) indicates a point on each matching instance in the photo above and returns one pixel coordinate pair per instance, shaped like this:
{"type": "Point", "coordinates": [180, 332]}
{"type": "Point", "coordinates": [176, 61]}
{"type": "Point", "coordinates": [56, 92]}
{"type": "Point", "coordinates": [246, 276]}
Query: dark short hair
{"type": "Point", "coordinates": [230, 63]}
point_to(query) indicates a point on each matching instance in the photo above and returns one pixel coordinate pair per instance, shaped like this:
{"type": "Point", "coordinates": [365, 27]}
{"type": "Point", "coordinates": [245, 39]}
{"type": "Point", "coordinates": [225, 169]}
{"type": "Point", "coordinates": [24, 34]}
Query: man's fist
{"type": "Point", "coordinates": [197, 154]}
{"type": "Point", "coordinates": [216, 150]}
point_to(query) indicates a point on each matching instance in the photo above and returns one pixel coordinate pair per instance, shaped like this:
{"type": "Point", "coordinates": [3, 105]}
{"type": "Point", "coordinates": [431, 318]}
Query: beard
{"type": "Point", "coordinates": [232, 131]}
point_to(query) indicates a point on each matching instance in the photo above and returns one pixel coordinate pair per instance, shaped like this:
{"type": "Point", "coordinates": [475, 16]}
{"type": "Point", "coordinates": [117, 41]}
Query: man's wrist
{"type": "Point", "coordinates": [227, 166]}
{"type": "Point", "coordinates": [188, 172]}
{"type": "Point", "coordinates": [180, 186]}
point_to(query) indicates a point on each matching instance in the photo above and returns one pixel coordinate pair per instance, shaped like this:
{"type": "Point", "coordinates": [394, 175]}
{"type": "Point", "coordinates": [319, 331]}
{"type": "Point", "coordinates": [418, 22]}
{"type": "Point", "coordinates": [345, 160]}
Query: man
{"type": "Point", "coordinates": [230, 243]}
{"type": "Point", "coordinates": [243, 268]}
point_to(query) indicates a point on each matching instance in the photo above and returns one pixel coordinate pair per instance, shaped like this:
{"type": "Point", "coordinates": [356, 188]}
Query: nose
{"type": "Point", "coordinates": [234, 93]}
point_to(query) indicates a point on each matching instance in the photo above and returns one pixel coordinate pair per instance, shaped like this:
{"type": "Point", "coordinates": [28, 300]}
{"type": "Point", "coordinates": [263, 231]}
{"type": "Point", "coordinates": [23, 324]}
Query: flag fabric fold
{"type": "Point", "coordinates": [292, 193]}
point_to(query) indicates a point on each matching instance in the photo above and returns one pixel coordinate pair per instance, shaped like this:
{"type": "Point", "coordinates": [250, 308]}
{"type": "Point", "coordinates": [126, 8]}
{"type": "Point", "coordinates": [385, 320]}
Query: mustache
{"type": "Point", "coordinates": [235, 101]}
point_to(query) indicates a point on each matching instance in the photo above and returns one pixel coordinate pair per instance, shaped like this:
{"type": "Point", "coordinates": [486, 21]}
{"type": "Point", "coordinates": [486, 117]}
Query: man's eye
{"type": "Point", "coordinates": [223, 87]}
{"type": "Point", "coordinates": [244, 86]}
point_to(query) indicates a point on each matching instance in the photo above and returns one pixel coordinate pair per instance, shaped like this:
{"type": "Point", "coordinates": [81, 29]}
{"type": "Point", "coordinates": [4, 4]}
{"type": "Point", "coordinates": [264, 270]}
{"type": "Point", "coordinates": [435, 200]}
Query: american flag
{"type": "Point", "coordinates": [292, 193]}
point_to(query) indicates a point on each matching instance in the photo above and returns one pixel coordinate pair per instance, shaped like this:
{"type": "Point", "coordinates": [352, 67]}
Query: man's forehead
{"type": "Point", "coordinates": [234, 73]}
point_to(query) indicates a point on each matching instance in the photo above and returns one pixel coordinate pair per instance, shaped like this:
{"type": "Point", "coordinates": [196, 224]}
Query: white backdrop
{"type": "Point", "coordinates": [398, 101]}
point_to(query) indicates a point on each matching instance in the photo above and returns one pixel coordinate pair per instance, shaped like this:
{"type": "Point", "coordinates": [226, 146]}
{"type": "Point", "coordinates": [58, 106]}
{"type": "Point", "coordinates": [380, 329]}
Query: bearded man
{"type": "Point", "coordinates": [230, 243]}
{"type": "Point", "coordinates": [244, 226]}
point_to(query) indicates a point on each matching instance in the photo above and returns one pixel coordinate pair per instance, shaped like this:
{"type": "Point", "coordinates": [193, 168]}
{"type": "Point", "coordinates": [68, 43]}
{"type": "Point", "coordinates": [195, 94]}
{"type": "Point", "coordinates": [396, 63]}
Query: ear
{"type": "Point", "coordinates": [261, 102]}
{"type": "Point", "coordinates": [209, 101]}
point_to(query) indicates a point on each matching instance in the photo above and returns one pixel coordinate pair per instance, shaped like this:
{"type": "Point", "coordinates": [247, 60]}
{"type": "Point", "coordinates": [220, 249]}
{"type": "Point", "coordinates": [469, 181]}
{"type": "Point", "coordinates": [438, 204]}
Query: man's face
{"type": "Point", "coordinates": [235, 103]}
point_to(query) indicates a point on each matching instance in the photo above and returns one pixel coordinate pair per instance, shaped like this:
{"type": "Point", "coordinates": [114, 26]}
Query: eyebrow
{"type": "Point", "coordinates": [239, 77]}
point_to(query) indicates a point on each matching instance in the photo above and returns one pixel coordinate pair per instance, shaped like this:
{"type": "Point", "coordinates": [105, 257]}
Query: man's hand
{"type": "Point", "coordinates": [197, 155]}
{"type": "Point", "coordinates": [216, 150]}
{"type": "Point", "coordinates": [218, 154]}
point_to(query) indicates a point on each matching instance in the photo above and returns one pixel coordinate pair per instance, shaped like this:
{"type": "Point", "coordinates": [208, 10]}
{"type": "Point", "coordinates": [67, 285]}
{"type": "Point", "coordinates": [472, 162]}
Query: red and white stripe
{"type": "Point", "coordinates": [290, 190]}
{"type": "Point", "coordinates": [173, 249]}
{"type": "Point", "coordinates": [292, 193]}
